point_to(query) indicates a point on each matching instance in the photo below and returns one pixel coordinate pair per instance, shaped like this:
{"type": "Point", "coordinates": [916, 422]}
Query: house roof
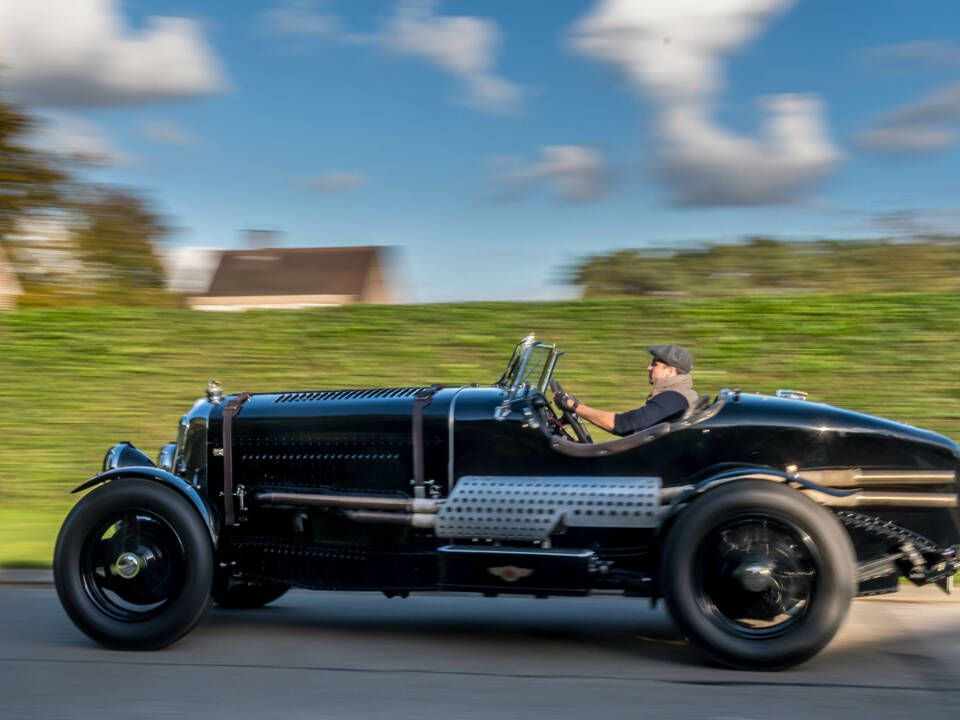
{"type": "Point", "coordinates": [294, 271]}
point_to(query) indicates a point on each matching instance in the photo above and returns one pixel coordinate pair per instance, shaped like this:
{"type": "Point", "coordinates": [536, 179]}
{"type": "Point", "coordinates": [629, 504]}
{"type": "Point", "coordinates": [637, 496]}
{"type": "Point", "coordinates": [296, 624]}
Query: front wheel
{"type": "Point", "coordinates": [133, 565]}
{"type": "Point", "coordinates": [758, 576]}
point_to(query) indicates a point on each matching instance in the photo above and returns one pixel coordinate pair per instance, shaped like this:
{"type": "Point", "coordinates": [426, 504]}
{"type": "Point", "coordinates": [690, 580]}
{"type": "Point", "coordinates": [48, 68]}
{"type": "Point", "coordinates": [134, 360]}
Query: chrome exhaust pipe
{"type": "Point", "coordinates": [884, 499]}
{"type": "Point", "coordinates": [669, 494]}
{"type": "Point", "coordinates": [356, 502]}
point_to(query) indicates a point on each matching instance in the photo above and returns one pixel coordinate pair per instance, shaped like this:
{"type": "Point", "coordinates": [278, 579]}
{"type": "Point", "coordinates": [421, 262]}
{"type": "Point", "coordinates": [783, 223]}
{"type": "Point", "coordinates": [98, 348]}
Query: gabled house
{"type": "Point", "coordinates": [9, 285]}
{"type": "Point", "coordinates": [297, 278]}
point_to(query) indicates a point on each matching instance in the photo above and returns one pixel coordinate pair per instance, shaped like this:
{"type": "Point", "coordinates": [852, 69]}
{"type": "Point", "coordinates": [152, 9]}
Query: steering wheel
{"type": "Point", "coordinates": [570, 417]}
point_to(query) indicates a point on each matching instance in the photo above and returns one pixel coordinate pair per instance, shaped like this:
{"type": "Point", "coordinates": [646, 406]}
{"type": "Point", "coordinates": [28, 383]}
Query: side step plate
{"type": "Point", "coordinates": [517, 570]}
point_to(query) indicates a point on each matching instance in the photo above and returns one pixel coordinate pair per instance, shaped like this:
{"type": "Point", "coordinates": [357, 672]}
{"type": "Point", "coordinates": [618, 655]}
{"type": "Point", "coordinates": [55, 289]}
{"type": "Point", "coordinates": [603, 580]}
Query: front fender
{"type": "Point", "coordinates": [163, 477]}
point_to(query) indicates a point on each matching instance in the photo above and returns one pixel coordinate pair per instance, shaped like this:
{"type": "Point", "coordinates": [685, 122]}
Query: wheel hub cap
{"type": "Point", "coordinates": [128, 565]}
{"type": "Point", "coordinates": [756, 577]}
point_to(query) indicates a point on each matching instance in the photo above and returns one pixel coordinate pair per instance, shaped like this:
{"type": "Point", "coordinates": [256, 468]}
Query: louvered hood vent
{"type": "Point", "coordinates": [407, 392]}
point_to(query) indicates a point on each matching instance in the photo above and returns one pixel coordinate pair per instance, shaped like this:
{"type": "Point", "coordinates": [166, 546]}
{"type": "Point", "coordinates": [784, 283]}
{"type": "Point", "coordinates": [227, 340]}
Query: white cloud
{"type": "Point", "coordinates": [166, 133]}
{"type": "Point", "coordinates": [300, 17]}
{"type": "Point", "coordinates": [672, 48]}
{"type": "Point", "coordinates": [76, 53]}
{"type": "Point", "coordinates": [903, 139]}
{"type": "Point", "coordinates": [78, 139]}
{"type": "Point", "coordinates": [708, 166]}
{"type": "Point", "coordinates": [934, 53]}
{"type": "Point", "coordinates": [336, 182]}
{"type": "Point", "coordinates": [672, 52]}
{"type": "Point", "coordinates": [574, 172]}
{"type": "Point", "coordinates": [913, 223]}
{"type": "Point", "coordinates": [462, 46]}
{"type": "Point", "coordinates": [927, 125]}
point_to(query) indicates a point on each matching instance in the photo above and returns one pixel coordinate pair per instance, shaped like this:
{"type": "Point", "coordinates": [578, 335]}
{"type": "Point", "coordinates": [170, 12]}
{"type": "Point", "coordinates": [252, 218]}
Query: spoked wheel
{"type": "Point", "coordinates": [134, 565]}
{"type": "Point", "coordinates": [758, 576]}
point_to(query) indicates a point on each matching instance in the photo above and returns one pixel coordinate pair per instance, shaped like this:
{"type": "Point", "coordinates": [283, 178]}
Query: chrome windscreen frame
{"type": "Point", "coordinates": [514, 379]}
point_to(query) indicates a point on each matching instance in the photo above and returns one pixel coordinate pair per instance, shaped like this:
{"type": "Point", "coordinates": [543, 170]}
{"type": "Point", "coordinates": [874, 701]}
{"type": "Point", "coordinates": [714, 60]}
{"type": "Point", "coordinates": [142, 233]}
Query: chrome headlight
{"type": "Point", "coordinates": [166, 455]}
{"type": "Point", "coordinates": [125, 455]}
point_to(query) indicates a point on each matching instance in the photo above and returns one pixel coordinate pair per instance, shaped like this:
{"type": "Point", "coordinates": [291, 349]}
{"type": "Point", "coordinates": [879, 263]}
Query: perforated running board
{"type": "Point", "coordinates": [531, 508]}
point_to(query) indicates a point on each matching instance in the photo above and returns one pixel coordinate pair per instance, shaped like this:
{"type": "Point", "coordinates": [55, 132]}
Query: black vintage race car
{"type": "Point", "coordinates": [756, 518]}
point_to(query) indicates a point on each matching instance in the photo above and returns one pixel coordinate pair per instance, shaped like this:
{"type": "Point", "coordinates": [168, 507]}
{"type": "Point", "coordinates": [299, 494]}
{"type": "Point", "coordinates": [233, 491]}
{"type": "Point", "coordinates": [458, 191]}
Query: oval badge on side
{"type": "Point", "coordinates": [510, 573]}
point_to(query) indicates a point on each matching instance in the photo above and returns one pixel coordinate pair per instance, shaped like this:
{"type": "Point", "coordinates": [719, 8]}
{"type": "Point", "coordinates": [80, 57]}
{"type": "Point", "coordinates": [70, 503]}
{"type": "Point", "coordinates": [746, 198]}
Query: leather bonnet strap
{"type": "Point", "coordinates": [420, 402]}
{"type": "Point", "coordinates": [230, 411]}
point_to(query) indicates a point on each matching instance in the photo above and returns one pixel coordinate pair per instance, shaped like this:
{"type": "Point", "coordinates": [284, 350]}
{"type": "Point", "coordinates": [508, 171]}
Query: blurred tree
{"type": "Point", "coordinates": [69, 241]}
{"type": "Point", "coordinates": [115, 238]}
{"type": "Point", "coordinates": [29, 180]}
{"type": "Point", "coordinates": [765, 265]}
{"type": "Point", "coordinates": [630, 272]}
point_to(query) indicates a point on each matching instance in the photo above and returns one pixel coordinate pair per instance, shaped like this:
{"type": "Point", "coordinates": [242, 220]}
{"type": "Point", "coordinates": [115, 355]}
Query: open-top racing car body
{"type": "Point", "coordinates": [756, 517]}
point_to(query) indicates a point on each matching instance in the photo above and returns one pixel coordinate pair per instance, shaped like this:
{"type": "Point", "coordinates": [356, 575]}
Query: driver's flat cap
{"type": "Point", "coordinates": [673, 355]}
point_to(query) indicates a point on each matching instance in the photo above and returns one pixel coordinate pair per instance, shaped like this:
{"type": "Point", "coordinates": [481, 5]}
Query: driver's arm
{"type": "Point", "coordinates": [601, 418]}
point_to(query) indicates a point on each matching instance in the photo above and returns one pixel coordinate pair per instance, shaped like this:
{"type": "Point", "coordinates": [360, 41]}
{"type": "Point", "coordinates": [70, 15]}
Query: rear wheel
{"type": "Point", "coordinates": [758, 576]}
{"type": "Point", "coordinates": [133, 565]}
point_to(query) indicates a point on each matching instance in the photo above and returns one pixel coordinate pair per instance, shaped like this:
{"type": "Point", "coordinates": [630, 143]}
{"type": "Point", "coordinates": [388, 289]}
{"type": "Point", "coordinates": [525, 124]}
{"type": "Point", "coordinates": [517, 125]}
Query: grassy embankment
{"type": "Point", "coordinates": [73, 382]}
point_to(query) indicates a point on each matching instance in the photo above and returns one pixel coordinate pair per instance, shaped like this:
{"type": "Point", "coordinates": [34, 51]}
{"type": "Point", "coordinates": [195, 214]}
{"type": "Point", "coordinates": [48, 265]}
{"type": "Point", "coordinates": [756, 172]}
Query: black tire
{"type": "Point", "coordinates": [133, 565]}
{"type": "Point", "coordinates": [758, 576]}
{"type": "Point", "coordinates": [244, 593]}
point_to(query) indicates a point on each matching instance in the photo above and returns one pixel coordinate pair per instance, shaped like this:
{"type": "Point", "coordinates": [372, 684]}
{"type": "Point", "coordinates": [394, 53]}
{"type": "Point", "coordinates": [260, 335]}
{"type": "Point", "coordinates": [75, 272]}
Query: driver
{"type": "Point", "coordinates": [672, 393]}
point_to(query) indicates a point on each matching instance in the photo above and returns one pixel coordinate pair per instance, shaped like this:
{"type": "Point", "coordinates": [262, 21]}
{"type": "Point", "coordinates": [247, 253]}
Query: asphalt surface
{"type": "Point", "coordinates": [361, 655]}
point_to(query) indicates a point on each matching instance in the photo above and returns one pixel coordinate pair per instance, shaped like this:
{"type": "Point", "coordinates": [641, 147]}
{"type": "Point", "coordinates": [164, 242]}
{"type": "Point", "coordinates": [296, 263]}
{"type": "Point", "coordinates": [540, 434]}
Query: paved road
{"type": "Point", "coordinates": [357, 656]}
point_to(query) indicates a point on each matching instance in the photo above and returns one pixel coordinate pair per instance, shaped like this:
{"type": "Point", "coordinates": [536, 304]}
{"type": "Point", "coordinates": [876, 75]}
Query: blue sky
{"type": "Point", "coordinates": [496, 142]}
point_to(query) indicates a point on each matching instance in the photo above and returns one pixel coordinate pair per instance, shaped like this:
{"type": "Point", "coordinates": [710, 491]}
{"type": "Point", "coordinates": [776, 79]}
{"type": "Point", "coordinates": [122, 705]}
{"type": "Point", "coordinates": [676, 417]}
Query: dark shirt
{"type": "Point", "coordinates": [657, 409]}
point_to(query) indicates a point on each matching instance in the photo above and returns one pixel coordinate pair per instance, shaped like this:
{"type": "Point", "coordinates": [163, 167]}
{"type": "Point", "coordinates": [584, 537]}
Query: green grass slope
{"type": "Point", "coordinates": [73, 382]}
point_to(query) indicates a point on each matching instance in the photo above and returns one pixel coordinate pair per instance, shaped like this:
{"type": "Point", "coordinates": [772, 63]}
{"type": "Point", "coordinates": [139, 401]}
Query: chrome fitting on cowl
{"type": "Point", "coordinates": [214, 392]}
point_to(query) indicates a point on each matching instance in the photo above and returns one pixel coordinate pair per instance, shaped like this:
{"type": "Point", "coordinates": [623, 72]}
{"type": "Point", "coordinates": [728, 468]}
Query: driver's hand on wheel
{"type": "Point", "coordinates": [566, 401]}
